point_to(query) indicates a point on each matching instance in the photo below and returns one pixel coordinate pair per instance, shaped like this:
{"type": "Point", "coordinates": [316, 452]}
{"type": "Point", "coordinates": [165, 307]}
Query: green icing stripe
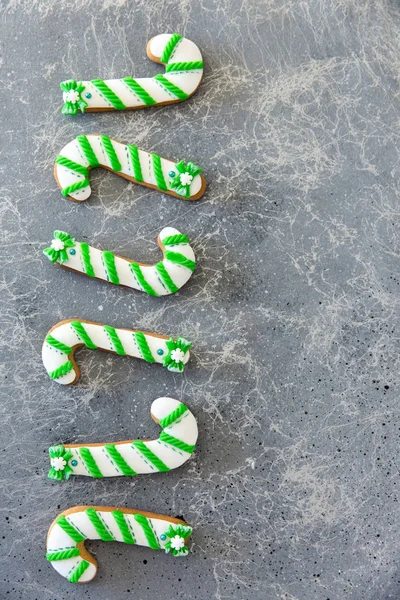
{"type": "Point", "coordinates": [142, 280]}
{"type": "Point", "coordinates": [62, 555]}
{"type": "Point", "coordinates": [180, 259]}
{"type": "Point", "coordinates": [58, 345]}
{"type": "Point", "coordinates": [150, 456]}
{"type": "Point", "coordinates": [173, 416]}
{"type": "Point", "coordinates": [87, 151]}
{"type": "Point", "coordinates": [166, 278]}
{"type": "Point", "coordinates": [109, 261]}
{"type": "Point", "coordinates": [111, 154]}
{"type": "Point", "coordinates": [83, 335]}
{"type": "Point", "coordinates": [184, 66]}
{"type": "Point", "coordinates": [119, 349]}
{"type": "Point", "coordinates": [134, 156]}
{"type": "Point", "coordinates": [90, 463]}
{"type": "Point", "coordinates": [108, 94]}
{"type": "Point", "coordinates": [170, 47]}
{"type": "Point", "coordinates": [139, 91]}
{"type": "Point", "coordinates": [173, 441]}
{"type": "Point", "coordinates": [144, 346]}
{"type": "Point", "coordinates": [172, 240]}
{"type": "Point", "coordinates": [174, 89]}
{"type": "Point", "coordinates": [119, 460]}
{"type": "Point", "coordinates": [99, 526]}
{"type": "Point", "coordinates": [79, 571]}
{"type": "Point", "coordinates": [70, 189]}
{"type": "Point", "coordinates": [70, 530]}
{"type": "Point", "coordinates": [158, 173]}
{"type": "Point", "coordinates": [72, 165]}
{"type": "Point", "coordinates": [61, 370]}
{"type": "Point", "coordinates": [147, 530]}
{"type": "Point", "coordinates": [85, 252]}
{"type": "Point", "coordinates": [126, 533]}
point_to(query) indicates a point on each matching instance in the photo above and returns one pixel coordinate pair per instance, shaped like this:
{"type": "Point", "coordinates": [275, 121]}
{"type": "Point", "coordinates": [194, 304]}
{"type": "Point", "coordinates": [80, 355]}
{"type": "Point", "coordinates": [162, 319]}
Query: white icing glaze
{"type": "Point", "coordinates": [184, 429]}
{"type": "Point", "coordinates": [178, 273]}
{"type": "Point", "coordinates": [66, 177]}
{"type": "Point", "coordinates": [58, 540]}
{"type": "Point", "coordinates": [66, 334]}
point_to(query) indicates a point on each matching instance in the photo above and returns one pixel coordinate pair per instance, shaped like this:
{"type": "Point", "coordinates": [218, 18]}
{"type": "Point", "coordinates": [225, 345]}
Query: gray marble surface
{"type": "Point", "coordinates": [293, 309]}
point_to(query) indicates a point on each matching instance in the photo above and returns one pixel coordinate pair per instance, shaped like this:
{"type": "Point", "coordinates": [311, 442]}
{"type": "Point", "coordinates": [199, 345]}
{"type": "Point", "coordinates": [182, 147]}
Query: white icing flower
{"type": "Point", "coordinates": [58, 463]}
{"type": "Point", "coordinates": [186, 178]}
{"type": "Point", "coordinates": [177, 542]}
{"type": "Point", "coordinates": [177, 355]}
{"type": "Point", "coordinates": [57, 244]}
{"type": "Point", "coordinates": [71, 96]}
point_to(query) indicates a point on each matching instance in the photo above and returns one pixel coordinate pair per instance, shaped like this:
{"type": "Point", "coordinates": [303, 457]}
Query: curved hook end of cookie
{"type": "Point", "coordinates": [58, 357]}
{"type": "Point", "coordinates": [82, 571]}
{"type": "Point", "coordinates": [74, 185]}
{"type": "Point", "coordinates": [176, 417]}
{"type": "Point", "coordinates": [66, 549]}
{"type": "Point", "coordinates": [156, 46]}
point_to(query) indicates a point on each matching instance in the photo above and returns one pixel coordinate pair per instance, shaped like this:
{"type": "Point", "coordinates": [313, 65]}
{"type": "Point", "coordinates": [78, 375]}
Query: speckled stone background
{"type": "Point", "coordinates": [293, 309]}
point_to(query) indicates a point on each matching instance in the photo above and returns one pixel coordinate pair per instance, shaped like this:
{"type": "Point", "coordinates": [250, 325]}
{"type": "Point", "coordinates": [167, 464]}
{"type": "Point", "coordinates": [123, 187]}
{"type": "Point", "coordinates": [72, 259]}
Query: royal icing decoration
{"type": "Point", "coordinates": [63, 339]}
{"type": "Point", "coordinates": [65, 540]}
{"type": "Point", "coordinates": [165, 277]}
{"type": "Point", "coordinates": [72, 166]}
{"type": "Point", "coordinates": [183, 74]}
{"type": "Point", "coordinates": [135, 457]}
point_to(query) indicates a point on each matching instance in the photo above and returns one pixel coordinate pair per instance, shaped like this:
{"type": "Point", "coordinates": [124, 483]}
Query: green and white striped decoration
{"type": "Point", "coordinates": [161, 279]}
{"type": "Point", "coordinates": [67, 534]}
{"type": "Point", "coordinates": [62, 340]}
{"type": "Point", "coordinates": [72, 166]}
{"type": "Point", "coordinates": [183, 74]}
{"type": "Point", "coordinates": [135, 457]}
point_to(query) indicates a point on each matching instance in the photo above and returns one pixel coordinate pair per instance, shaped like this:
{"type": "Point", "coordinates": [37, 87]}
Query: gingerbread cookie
{"type": "Point", "coordinates": [135, 457]}
{"type": "Point", "coordinates": [65, 337]}
{"type": "Point", "coordinates": [165, 277]}
{"type": "Point", "coordinates": [72, 166]}
{"type": "Point", "coordinates": [67, 534]}
{"type": "Point", "coordinates": [183, 74]}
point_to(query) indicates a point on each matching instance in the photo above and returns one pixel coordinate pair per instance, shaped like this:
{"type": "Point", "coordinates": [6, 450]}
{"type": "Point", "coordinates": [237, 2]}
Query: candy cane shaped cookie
{"type": "Point", "coordinates": [165, 277]}
{"type": "Point", "coordinates": [183, 74]}
{"type": "Point", "coordinates": [135, 457]}
{"type": "Point", "coordinates": [72, 166]}
{"type": "Point", "coordinates": [65, 337]}
{"type": "Point", "coordinates": [67, 534]}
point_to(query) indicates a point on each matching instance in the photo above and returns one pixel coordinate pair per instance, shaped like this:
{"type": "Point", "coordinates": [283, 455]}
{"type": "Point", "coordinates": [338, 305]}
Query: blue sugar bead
{"type": "Point", "coordinates": [160, 352]}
